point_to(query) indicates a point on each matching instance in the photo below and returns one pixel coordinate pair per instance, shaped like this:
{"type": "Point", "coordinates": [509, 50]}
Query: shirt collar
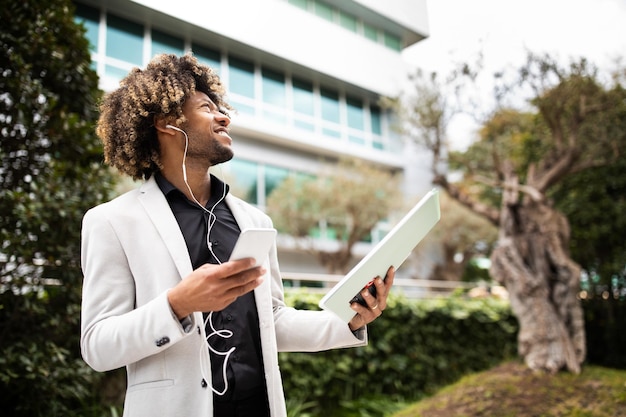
{"type": "Point", "coordinates": [218, 187]}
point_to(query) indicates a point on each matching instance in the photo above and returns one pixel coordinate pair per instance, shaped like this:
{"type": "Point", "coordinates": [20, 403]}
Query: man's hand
{"type": "Point", "coordinates": [213, 287]}
{"type": "Point", "coordinates": [375, 305]}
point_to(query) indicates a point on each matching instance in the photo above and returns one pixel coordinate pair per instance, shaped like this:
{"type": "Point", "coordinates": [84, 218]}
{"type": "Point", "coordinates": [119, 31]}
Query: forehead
{"type": "Point", "coordinates": [199, 97]}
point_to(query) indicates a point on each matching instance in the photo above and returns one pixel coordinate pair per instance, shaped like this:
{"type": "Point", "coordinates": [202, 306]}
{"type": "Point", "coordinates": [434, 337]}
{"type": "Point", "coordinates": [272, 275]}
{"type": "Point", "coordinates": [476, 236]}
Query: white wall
{"type": "Point", "coordinates": [278, 28]}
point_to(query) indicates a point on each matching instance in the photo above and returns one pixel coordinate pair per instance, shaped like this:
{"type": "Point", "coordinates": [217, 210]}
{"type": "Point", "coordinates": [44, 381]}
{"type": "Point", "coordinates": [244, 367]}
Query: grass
{"type": "Point", "coordinates": [513, 390]}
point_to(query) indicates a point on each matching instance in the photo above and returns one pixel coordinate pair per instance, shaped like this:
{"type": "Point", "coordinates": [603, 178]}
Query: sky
{"type": "Point", "coordinates": [504, 30]}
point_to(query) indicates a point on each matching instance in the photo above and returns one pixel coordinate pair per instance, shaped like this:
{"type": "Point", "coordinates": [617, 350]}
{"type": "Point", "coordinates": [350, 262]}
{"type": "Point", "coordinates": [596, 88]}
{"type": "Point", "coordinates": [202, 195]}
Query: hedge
{"type": "Point", "coordinates": [415, 347]}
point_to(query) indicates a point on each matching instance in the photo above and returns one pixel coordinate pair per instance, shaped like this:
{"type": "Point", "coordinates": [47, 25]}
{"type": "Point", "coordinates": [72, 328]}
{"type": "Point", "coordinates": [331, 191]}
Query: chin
{"type": "Point", "coordinates": [222, 157]}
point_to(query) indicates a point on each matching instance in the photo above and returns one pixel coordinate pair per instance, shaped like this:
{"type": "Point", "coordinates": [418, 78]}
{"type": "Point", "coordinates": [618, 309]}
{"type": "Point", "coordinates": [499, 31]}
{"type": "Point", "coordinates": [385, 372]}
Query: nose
{"type": "Point", "coordinates": [222, 118]}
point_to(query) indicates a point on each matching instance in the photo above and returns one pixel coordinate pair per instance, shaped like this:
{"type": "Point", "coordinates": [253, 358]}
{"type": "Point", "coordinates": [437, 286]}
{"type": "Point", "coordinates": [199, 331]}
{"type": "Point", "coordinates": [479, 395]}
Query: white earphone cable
{"type": "Point", "coordinates": [214, 332]}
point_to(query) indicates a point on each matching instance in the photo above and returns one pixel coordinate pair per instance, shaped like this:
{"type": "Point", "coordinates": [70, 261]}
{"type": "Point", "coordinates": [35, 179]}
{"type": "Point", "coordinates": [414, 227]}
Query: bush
{"type": "Point", "coordinates": [415, 347]}
{"type": "Point", "coordinates": [51, 173]}
{"type": "Point", "coordinates": [605, 329]}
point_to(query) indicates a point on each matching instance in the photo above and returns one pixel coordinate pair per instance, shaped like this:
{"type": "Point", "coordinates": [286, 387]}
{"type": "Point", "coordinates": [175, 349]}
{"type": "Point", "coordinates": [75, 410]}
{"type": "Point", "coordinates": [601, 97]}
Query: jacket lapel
{"type": "Point", "coordinates": [241, 215]}
{"type": "Point", "coordinates": [262, 294]}
{"type": "Point", "coordinates": [159, 212]}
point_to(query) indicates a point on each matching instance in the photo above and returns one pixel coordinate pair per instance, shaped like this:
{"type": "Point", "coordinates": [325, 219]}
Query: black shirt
{"type": "Point", "coordinates": [245, 365]}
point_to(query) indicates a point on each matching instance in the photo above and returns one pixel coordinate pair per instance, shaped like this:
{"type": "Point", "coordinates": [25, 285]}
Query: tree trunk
{"type": "Point", "coordinates": [533, 263]}
{"type": "Point", "coordinates": [335, 262]}
{"type": "Point", "coordinates": [449, 269]}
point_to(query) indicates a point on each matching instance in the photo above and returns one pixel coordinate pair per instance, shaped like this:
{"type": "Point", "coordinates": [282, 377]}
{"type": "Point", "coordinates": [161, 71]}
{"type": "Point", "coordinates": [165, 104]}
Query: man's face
{"type": "Point", "coordinates": [207, 128]}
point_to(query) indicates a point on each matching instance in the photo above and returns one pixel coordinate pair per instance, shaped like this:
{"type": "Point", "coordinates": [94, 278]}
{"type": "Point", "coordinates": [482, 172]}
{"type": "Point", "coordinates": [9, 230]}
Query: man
{"type": "Point", "coordinates": [198, 334]}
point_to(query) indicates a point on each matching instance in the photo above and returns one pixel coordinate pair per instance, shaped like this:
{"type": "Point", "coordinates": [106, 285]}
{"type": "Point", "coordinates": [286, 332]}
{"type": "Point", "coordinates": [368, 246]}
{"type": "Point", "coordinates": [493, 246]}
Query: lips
{"type": "Point", "coordinates": [223, 132]}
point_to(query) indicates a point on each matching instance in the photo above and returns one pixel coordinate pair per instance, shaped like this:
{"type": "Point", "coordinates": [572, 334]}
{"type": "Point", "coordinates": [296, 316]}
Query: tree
{"type": "Point", "coordinates": [51, 172]}
{"type": "Point", "coordinates": [349, 198]}
{"type": "Point", "coordinates": [575, 124]}
{"type": "Point", "coordinates": [462, 235]}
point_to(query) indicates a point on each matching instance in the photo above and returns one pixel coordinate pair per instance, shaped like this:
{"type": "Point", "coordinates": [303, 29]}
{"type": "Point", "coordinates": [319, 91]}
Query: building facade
{"type": "Point", "coordinates": [305, 77]}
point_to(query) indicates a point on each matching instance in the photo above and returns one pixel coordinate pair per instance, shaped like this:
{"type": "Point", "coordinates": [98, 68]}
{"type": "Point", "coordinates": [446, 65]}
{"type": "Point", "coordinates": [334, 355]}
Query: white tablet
{"type": "Point", "coordinates": [392, 250]}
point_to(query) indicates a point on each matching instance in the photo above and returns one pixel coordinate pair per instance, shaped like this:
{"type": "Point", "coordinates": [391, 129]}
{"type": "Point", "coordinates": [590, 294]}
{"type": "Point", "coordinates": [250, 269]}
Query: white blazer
{"type": "Point", "coordinates": [133, 252]}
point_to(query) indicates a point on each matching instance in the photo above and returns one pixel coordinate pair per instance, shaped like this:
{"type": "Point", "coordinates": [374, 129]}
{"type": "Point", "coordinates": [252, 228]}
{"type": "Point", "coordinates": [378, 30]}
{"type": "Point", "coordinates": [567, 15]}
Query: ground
{"type": "Point", "coordinates": [512, 390]}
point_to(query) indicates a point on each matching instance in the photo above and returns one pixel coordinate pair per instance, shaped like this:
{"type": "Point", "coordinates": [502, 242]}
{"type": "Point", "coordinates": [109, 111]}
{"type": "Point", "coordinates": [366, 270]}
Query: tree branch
{"type": "Point", "coordinates": [558, 170]}
{"type": "Point", "coordinates": [488, 212]}
{"type": "Point", "coordinates": [532, 192]}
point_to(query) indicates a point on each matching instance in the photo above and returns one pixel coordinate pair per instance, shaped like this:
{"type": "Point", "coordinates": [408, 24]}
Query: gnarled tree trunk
{"type": "Point", "coordinates": [532, 262]}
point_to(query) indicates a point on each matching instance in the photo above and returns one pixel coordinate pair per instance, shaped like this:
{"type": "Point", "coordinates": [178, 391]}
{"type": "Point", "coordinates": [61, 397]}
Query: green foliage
{"type": "Point", "coordinates": [50, 174]}
{"type": "Point", "coordinates": [474, 272]}
{"type": "Point", "coordinates": [605, 322]}
{"type": "Point", "coordinates": [350, 197]}
{"type": "Point", "coordinates": [594, 201]}
{"type": "Point", "coordinates": [414, 348]}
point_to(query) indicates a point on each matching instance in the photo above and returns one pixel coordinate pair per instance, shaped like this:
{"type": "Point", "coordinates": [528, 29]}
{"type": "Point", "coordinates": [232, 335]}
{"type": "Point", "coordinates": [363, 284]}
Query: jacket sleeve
{"type": "Point", "coordinates": [114, 330]}
{"type": "Point", "coordinates": [308, 330]}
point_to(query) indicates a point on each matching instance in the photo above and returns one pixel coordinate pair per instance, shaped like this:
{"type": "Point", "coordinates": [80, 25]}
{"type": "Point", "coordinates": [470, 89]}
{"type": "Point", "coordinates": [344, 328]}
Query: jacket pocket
{"type": "Point", "coordinates": [163, 383]}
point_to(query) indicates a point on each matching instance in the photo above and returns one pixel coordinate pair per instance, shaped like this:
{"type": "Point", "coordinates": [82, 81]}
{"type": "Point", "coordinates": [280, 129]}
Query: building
{"type": "Point", "coordinates": [304, 75]}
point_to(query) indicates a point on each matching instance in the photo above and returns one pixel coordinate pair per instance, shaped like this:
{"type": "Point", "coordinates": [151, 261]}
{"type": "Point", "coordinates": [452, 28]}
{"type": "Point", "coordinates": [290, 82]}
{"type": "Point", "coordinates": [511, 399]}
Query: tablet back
{"type": "Point", "coordinates": [392, 250]}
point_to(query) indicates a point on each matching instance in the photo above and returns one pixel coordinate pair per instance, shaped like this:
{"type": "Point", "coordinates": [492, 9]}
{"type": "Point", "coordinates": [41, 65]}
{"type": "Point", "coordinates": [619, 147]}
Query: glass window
{"type": "Point", "coordinates": [124, 40]}
{"type": "Point", "coordinates": [274, 176]}
{"type": "Point", "coordinates": [347, 21]}
{"type": "Point", "coordinates": [162, 43]}
{"type": "Point", "coordinates": [376, 127]}
{"type": "Point", "coordinates": [330, 105]}
{"type": "Point", "coordinates": [324, 11]}
{"type": "Point", "coordinates": [114, 74]}
{"type": "Point", "coordinates": [393, 42]}
{"type": "Point", "coordinates": [357, 139]}
{"type": "Point", "coordinates": [274, 90]}
{"type": "Point", "coordinates": [299, 3]}
{"type": "Point", "coordinates": [376, 118]}
{"type": "Point", "coordinates": [303, 98]}
{"type": "Point", "coordinates": [241, 77]}
{"type": "Point", "coordinates": [301, 124]}
{"type": "Point", "coordinates": [207, 56]}
{"type": "Point", "coordinates": [333, 133]}
{"type": "Point", "coordinates": [242, 108]}
{"type": "Point", "coordinates": [356, 118]}
{"type": "Point", "coordinates": [275, 117]}
{"type": "Point", "coordinates": [90, 18]}
{"type": "Point", "coordinates": [243, 179]}
{"type": "Point", "coordinates": [370, 32]}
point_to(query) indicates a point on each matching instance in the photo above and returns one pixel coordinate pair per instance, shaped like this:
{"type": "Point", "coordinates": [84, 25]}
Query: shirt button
{"type": "Point", "coordinates": [203, 383]}
{"type": "Point", "coordinates": [229, 317]}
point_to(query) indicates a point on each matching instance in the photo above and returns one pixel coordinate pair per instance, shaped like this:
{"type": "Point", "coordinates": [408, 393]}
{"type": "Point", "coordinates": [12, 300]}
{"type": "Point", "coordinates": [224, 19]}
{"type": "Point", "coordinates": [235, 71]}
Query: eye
{"type": "Point", "coordinates": [224, 112]}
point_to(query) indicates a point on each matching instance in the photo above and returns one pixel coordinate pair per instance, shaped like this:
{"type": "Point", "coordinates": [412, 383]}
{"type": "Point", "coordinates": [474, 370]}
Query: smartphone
{"type": "Point", "coordinates": [254, 243]}
{"type": "Point", "coordinates": [358, 298]}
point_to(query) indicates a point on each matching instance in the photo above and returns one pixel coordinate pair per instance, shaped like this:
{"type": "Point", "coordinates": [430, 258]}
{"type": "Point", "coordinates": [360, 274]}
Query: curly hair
{"type": "Point", "coordinates": [127, 115]}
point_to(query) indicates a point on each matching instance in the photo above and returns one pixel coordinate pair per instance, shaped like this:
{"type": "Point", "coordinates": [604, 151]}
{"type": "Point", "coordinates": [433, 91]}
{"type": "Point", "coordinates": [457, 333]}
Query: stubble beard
{"type": "Point", "coordinates": [219, 153]}
{"type": "Point", "coordinates": [214, 152]}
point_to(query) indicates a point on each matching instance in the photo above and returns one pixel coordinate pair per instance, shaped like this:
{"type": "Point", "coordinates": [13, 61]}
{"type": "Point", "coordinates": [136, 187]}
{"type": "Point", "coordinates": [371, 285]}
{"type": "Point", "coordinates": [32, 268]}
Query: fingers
{"type": "Point", "coordinates": [382, 289]}
{"type": "Point", "coordinates": [230, 268]}
{"type": "Point", "coordinates": [391, 274]}
{"type": "Point", "coordinates": [244, 282]}
{"type": "Point", "coordinates": [374, 305]}
{"type": "Point", "coordinates": [235, 277]}
{"type": "Point", "coordinates": [213, 287]}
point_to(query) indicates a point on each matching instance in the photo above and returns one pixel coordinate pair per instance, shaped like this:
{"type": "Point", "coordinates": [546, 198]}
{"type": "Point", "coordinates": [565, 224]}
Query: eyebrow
{"type": "Point", "coordinates": [208, 100]}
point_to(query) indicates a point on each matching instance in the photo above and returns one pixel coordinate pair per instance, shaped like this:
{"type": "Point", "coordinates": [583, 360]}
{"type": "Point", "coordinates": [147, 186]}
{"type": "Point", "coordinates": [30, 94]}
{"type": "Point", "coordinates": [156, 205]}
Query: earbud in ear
{"type": "Point", "coordinates": [172, 127]}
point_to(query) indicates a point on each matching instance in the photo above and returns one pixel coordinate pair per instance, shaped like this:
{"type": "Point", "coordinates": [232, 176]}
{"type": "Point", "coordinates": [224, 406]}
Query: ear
{"type": "Point", "coordinates": [160, 124]}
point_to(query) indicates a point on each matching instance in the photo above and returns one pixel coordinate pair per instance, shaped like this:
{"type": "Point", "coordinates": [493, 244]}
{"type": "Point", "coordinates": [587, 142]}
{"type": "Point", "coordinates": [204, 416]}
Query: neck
{"type": "Point", "coordinates": [196, 187]}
